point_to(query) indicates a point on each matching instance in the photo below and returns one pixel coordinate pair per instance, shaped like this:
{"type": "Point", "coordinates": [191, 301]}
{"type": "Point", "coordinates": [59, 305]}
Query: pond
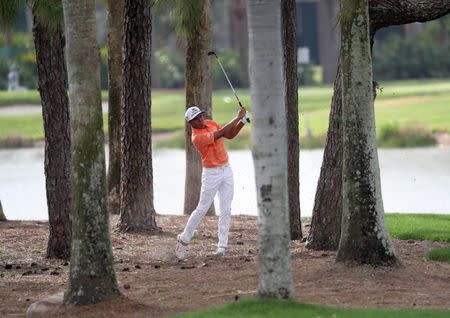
{"type": "Point", "coordinates": [413, 180]}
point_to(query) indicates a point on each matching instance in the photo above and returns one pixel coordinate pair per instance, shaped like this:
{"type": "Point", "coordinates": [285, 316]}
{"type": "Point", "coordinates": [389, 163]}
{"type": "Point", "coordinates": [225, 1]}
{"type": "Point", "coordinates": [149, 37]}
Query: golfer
{"type": "Point", "coordinates": [217, 175]}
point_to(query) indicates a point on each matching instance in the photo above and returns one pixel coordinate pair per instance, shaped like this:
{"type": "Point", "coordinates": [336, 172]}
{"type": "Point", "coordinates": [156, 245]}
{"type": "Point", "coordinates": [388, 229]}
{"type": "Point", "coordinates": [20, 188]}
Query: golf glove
{"type": "Point", "coordinates": [245, 119]}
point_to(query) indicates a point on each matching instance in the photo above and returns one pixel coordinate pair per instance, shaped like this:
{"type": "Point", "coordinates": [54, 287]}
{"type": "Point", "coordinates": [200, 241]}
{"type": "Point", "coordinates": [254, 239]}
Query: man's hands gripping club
{"type": "Point", "coordinates": [231, 129]}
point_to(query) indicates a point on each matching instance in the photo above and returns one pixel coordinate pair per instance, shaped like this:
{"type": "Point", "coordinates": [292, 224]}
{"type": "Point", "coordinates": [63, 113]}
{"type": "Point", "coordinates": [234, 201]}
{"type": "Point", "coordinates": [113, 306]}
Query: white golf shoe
{"type": "Point", "coordinates": [180, 249]}
{"type": "Point", "coordinates": [220, 251]}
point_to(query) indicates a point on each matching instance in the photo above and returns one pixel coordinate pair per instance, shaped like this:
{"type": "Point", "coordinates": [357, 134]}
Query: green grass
{"type": "Point", "coordinates": [404, 104]}
{"type": "Point", "coordinates": [439, 255]}
{"type": "Point", "coordinates": [431, 227]}
{"type": "Point", "coordinates": [253, 308]}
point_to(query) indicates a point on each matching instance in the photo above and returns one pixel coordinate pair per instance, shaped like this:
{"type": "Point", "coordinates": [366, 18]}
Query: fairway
{"type": "Point", "coordinates": [418, 104]}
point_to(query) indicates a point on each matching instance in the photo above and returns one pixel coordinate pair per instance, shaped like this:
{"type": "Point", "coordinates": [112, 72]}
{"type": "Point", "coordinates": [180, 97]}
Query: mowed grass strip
{"type": "Point", "coordinates": [424, 104]}
{"type": "Point", "coordinates": [265, 308]}
{"type": "Point", "coordinates": [431, 227]}
{"type": "Point", "coordinates": [439, 255]}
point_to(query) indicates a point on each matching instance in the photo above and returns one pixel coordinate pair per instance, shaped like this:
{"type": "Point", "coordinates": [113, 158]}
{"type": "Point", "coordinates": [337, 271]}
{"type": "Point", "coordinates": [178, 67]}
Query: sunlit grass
{"type": "Point", "coordinates": [265, 308]}
{"type": "Point", "coordinates": [431, 227]}
{"type": "Point", "coordinates": [405, 104]}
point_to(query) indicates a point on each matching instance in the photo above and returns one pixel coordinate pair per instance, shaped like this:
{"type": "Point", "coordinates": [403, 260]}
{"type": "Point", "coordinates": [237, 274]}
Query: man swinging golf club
{"type": "Point", "coordinates": [217, 175]}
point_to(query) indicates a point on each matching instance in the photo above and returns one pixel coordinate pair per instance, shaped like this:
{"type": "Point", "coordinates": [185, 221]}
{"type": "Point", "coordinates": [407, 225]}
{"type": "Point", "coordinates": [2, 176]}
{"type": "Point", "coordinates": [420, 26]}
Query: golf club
{"type": "Point", "coordinates": [226, 76]}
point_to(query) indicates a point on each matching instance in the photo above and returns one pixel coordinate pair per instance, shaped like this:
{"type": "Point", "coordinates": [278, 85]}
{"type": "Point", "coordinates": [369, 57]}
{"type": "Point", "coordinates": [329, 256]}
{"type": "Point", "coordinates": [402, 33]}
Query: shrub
{"type": "Point", "coordinates": [391, 136]}
{"type": "Point", "coordinates": [171, 68]}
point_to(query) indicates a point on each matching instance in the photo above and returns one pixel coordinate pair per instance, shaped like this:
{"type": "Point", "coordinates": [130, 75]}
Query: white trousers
{"type": "Point", "coordinates": [218, 179]}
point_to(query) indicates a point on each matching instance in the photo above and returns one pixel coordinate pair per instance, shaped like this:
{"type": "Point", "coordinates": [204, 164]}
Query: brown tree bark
{"type": "Point", "coordinates": [198, 92]}
{"type": "Point", "coordinates": [326, 222]}
{"type": "Point", "coordinates": [115, 41]}
{"type": "Point", "coordinates": [137, 210]}
{"type": "Point", "coordinates": [49, 45]}
{"type": "Point", "coordinates": [325, 229]}
{"type": "Point", "coordinates": [288, 12]}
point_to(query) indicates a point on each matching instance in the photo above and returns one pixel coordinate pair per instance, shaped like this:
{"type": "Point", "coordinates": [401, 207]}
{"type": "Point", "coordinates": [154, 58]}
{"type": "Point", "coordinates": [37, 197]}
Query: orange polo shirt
{"type": "Point", "coordinates": [213, 153]}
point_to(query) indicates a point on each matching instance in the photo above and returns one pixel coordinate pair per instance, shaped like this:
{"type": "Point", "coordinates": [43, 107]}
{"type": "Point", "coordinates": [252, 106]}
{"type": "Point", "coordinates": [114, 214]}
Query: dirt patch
{"type": "Point", "coordinates": [154, 283]}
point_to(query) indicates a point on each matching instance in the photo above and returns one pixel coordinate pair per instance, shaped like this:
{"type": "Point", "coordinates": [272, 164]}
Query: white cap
{"type": "Point", "coordinates": [192, 112]}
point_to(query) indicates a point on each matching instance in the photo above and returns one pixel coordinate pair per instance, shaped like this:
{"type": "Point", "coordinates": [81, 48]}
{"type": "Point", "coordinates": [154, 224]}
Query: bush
{"type": "Point", "coordinates": [421, 56]}
{"type": "Point", "coordinates": [171, 68]}
{"type": "Point", "coordinates": [308, 74]}
{"type": "Point", "coordinates": [391, 136]}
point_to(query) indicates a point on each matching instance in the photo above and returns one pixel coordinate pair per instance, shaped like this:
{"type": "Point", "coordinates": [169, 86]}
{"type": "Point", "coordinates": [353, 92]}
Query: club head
{"type": "Point", "coordinates": [212, 53]}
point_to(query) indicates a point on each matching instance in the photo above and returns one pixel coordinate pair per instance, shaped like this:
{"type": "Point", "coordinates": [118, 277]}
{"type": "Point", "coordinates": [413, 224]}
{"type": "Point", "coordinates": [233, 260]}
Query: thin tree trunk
{"type": "Point", "coordinates": [2, 214]}
{"type": "Point", "coordinates": [137, 210]}
{"type": "Point", "coordinates": [364, 236]}
{"type": "Point", "coordinates": [49, 45]}
{"type": "Point", "coordinates": [92, 277]}
{"type": "Point", "coordinates": [326, 225]}
{"type": "Point", "coordinates": [115, 42]}
{"type": "Point", "coordinates": [270, 147]}
{"type": "Point", "coordinates": [198, 92]}
{"type": "Point", "coordinates": [325, 229]}
{"type": "Point", "coordinates": [288, 10]}
{"type": "Point", "coordinates": [241, 33]}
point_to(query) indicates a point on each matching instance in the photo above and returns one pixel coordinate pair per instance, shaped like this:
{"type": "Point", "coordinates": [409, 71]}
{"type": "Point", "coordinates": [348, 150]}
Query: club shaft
{"type": "Point", "coordinates": [229, 82]}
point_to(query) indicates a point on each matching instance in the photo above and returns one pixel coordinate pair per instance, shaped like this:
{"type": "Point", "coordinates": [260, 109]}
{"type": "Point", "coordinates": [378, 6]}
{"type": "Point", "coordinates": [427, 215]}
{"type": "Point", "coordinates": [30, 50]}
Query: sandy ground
{"type": "Point", "coordinates": [154, 283]}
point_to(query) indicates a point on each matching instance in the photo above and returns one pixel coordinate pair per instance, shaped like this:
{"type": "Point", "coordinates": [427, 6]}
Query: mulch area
{"type": "Point", "coordinates": [153, 283]}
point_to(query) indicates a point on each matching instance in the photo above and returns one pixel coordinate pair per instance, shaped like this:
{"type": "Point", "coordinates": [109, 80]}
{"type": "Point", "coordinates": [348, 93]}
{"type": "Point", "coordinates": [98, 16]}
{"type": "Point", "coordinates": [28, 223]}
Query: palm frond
{"type": "Point", "coordinates": [48, 12]}
{"type": "Point", "coordinates": [186, 14]}
{"type": "Point", "coordinates": [9, 10]}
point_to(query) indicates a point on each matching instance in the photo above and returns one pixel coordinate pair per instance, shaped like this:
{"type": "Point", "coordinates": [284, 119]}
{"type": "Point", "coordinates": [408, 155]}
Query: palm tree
{"type": "Point", "coordinates": [48, 35]}
{"type": "Point", "coordinates": [193, 20]}
{"type": "Point", "coordinates": [288, 10]}
{"type": "Point", "coordinates": [325, 227]}
{"type": "Point", "coordinates": [137, 210]}
{"type": "Point", "coordinates": [364, 236]}
{"type": "Point", "coordinates": [92, 277]}
{"type": "Point", "coordinates": [115, 41]}
{"type": "Point", "coordinates": [49, 45]}
{"type": "Point", "coordinates": [270, 146]}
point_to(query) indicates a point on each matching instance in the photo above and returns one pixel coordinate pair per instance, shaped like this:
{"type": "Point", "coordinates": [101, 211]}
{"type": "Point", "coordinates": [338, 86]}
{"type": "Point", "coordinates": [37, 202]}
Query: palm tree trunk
{"type": "Point", "coordinates": [92, 277]}
{"type": "Point", "coordinates": [364, 236]}
{"type": "Point", "coordinates": [326, 222]}
{"type": "Point", "coordinates": [270, 147]}
{"type": "Point", "coordinates": [115, 41]}
{"type": "Point", "coordinates": [49, 45]}
{"type": "Point", "coordinates": [288, 9]}
{"type": "Point", "coordinates": [198, 92]}
{"type": "Point", "coordinates": [137, 210]}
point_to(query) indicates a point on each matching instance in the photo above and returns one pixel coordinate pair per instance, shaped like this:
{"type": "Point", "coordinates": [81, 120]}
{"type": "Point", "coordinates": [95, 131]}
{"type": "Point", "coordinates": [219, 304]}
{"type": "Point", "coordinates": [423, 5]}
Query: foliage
{"type": "Point", "coordinates": [401, 102]}
{"type": "Point", "coordinates": [171, 68]}
{"type": "Point", "coordinates": [255, 308]}
{"type": "Point", "coordinates": [431, 227]}
{"type": "Point", "coordinates": [420, 56]}
{"type": "Point", "coordinates": [308, 74]}
{"type": "Point", "coordinates": [439, 255]}
{"type": "Point", "coordinates": [187, 13]}
{"type": "Point", "coordinates": [392, 136]}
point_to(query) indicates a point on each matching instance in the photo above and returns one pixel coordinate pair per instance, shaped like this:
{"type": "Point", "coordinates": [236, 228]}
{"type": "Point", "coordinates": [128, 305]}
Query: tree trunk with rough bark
{"type": "Point", "coordinates": [269, 150]}
{"type": "Point", "coordinates": [198, 92]}
{"type": "Point", "coordinates": [364, 235]}
{"type": "Point", "coordinates": [383, 13]}
{"type": "Point", "coordinates": [325, 229]}
{"type": "Point", "coordinates": [240, 33]}
{"type": "Point", "coordinates": [92, 277]}
{"type": "Point", "coordinates": [52, 86]}
{"type": "Point", "coordinates": [115, 42]}
{"type": "Point", "coordinates": [137, 210]}
{"type": "Point", "coordinates": [288, 10]}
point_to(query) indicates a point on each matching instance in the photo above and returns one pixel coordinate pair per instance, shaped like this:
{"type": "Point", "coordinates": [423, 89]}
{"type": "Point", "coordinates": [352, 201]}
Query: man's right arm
{"type": "Point", "coordinates": [231, 129]}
